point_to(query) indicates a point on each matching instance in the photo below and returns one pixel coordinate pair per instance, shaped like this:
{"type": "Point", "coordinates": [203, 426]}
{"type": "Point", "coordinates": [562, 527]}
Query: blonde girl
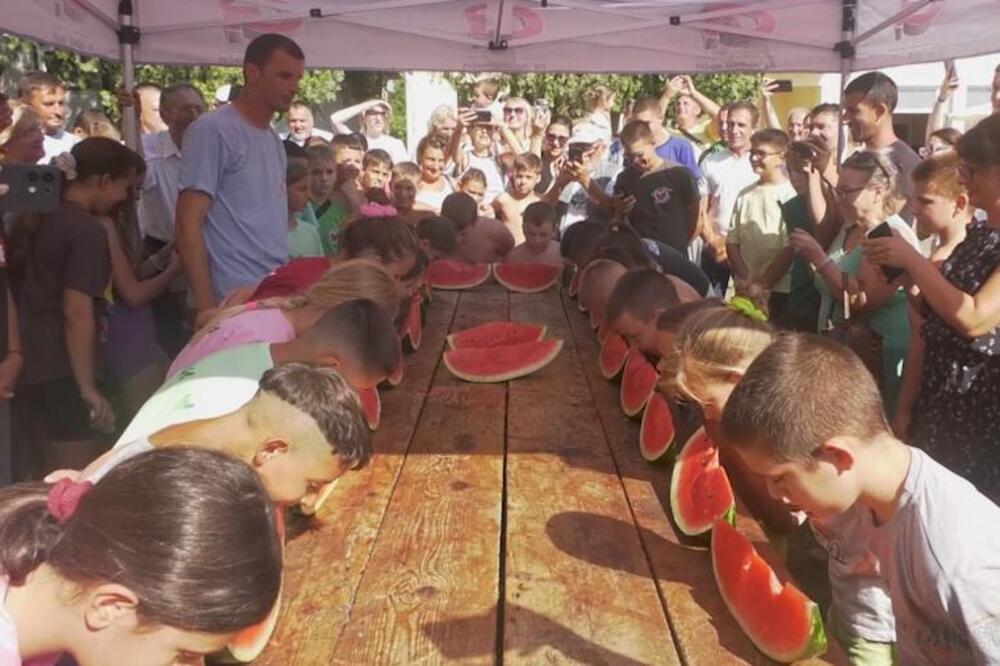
{"type": "Point", "coordinates": [282, 319]}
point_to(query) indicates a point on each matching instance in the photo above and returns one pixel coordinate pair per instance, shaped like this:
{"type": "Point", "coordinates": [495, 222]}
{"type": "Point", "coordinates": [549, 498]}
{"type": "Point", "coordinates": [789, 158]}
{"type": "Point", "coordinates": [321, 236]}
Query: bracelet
{"type": "Point", "coordinates": [942, 100]}
{"type": "Point", "coordinates": [829, 260]}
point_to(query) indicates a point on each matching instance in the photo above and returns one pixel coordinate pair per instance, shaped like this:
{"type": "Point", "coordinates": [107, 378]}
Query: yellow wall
{"type": "Point", "coordinates": [805, 92]}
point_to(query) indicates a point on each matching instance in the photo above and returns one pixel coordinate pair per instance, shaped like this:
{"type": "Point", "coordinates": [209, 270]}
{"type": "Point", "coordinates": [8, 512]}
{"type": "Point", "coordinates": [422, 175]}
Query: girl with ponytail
{"type": "Point", "coordinates": [147, 567]}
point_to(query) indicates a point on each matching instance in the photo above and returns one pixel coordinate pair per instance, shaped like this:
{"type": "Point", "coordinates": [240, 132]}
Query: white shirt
{"type": "Point", "coordinates": [321, 133]}
{"type": "Point", "coordinates": [491, 169]}
{"type": "Point", "coordinates": [161, 187]}
{"type": "Point", "coordinates": [723, 177]}
{"type": "Point", "coordinates": [57, 144]}
{"type": "Point", "coordinates": [391, 145]}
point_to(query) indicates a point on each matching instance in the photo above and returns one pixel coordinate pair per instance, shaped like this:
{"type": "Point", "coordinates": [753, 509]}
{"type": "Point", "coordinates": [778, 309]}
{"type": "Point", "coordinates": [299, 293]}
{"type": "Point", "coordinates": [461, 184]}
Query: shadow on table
{"type": "Point", "coordinates": [692, 568]}
{"type": "Point", "coordinates": [544, 632]}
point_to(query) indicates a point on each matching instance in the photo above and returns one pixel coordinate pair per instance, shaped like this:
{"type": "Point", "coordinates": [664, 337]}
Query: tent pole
{"type": "Point", "coordinates": [128, 36]}
{"type": "Point", "coordinates": [846, 49]}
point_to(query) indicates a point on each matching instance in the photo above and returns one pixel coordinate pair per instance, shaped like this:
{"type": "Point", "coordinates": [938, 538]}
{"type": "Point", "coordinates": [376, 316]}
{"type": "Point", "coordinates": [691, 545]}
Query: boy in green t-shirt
{"type": "Point", "coordinates": [334, 186]}
{"type": "Point", "coordinates": [303, 238]}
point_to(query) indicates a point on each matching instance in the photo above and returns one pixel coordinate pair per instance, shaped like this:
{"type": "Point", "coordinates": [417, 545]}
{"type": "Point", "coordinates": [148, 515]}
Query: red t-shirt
{"type": "Point", "coordinates": [293, 278]}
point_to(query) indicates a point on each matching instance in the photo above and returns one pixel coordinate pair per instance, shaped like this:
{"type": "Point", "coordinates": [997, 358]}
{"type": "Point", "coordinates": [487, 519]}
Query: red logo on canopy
{"type": "Point", "coordinates": [235, 10]}
{"type": "Point", "coordinates": [527, 22]}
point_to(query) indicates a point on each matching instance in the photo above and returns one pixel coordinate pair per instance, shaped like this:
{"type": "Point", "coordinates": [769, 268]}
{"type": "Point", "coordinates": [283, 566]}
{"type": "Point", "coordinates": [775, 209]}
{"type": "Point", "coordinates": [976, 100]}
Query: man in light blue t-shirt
{"type": "Point", "coordinates": [232, 211]}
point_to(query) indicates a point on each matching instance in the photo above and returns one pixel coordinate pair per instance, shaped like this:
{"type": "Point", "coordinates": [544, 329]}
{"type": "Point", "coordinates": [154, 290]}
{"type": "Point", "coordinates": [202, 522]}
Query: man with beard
{"type": "Point", "coordinates": [232, 212]}
{"type": "Point", "coordinates": [869, 101]}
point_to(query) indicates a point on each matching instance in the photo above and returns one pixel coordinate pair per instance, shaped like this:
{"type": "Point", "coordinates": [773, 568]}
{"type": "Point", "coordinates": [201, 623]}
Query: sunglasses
{"type": "Point", "coordinates": [556, 139]}
{"type": "Point", "coordinates": [510, 111]}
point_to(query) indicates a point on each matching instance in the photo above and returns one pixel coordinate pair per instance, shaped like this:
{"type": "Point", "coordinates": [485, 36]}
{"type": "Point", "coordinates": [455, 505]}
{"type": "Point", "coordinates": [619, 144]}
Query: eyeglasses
{"type": "Point", "coordinates": [515, 110]}
{"type": "Point", "coordinates": [845, 192]}
{"type": "Point", "coordinates": [376, 112]}
{"type": "Point", "coordinates": [764, 153]}
{"type": "Point", "coordinates": [556, 139]}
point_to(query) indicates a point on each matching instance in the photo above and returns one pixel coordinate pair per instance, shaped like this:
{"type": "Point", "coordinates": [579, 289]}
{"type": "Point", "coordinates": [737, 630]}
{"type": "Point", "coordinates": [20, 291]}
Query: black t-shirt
{"type": "Point", "coordinates": [675, 263]}
{"type": "Point", "coordinates": [68, 250]}
{"type": "Point", "coordinates": [666, 203]}
{"type": "Point", "coordinates": [546, 179]}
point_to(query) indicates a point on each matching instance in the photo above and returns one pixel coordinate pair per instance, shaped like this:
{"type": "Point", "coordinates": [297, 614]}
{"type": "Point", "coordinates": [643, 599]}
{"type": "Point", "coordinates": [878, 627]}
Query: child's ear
{"type": "Point", "coordinates": [269, 450]}
{"type": "Point", "coordinates": [836, 452]}
{"type": "Point", "coordinates": [331, 362]}
{"type": "Point", "coordinates": [110, 605]}
{"type": "Point", "coordinates": [961, 203]}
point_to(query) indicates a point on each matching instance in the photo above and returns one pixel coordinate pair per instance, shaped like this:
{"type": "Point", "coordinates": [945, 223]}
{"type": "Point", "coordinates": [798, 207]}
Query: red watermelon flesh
{"type": "Point", "coordinates": [500, 364]}
{"type": "Point", "coordinates": [638, 383]}
{"type": "Point", "coordinates": [527, 278]}
{"type": "Point", "coordinates": [451, 274]}
{"type": "Point", "coordinates": [782, 622]}
{"type": "Point", "coordinates": [414, 330]}
{"type": "Point", "coordinates": [657, 431]}
{"type": "Point", "coordinates": [614, 351]}
{"type": "Point", "coordinates": [700, 492]}
{"type": "Point", "coordinates": [371, 404]}
{"type": "Point", "coordinates": [574, 283]}
{"type": "Point", "coordinates": [496, 334]}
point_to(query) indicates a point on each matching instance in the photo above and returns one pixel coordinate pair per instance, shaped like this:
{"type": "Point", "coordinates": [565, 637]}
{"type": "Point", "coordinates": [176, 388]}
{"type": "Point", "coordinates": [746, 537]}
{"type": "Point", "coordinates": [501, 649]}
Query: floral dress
{"type": "Point", "coordinates": [957, 413]}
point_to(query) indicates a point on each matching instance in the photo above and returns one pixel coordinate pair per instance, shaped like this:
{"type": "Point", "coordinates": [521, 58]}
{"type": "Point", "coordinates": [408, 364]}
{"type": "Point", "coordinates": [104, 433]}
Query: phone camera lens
{"type": "Point", "coordinates": [48, 178]}
{"type": "Point", "coordinates": [32, 177]}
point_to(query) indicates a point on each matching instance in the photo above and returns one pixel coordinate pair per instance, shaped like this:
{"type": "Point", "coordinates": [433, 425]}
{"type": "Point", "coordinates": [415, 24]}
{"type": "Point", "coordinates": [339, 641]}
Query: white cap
{"type": "Point", "coordinates": [586, 132]}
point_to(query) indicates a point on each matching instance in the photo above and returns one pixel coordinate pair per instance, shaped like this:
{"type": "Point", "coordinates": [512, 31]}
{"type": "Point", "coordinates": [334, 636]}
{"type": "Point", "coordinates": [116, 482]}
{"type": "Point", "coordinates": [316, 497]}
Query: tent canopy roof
{"type": "Point", "coordinates": [526, 35]}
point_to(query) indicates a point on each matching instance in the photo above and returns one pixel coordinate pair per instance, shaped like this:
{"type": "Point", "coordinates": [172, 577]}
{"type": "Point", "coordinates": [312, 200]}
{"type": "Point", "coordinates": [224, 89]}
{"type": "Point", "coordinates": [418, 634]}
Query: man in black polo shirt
{"type": "Point", "coordinates": [660, 199]}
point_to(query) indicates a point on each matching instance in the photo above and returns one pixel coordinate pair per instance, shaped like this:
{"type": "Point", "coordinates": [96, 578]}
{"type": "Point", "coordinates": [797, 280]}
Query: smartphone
{"type": "Point", "coordinates": [885, 231]}
{"type": "Point", "coordinates": [783, 85]}
{"type": "Point", "coordinates": [484, 116]}
{"type": "Point", "coordinates": [541, 106]}
{"type": "Point", "coordinates": [33, 188]}
{"type": "Point", "coordinates": [575, 152]}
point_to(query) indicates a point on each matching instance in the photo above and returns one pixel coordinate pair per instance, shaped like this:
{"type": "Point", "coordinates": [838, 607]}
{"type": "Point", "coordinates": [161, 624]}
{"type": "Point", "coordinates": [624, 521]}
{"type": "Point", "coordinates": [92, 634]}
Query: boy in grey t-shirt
{"type": "Point", "coordinates": [807, 416]}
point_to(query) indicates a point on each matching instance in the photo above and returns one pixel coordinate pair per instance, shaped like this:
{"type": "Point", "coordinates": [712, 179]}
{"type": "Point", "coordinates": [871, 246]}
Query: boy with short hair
{"type": "Point", "coordinates": [659, 198]}
{"type": "Point", "coordinates": [438, 238]}
{"type": "Point", "coordinates": [638, 299]}
{"type": "Point", "coordinates": [303, 238]}
{"type": "Point", "coordinates": [758, 233]}
{"type": "Point", "coordinates": [334, 188]}
{"type": "Point", "coordinates": [376, 169]}
{"type": "Point", "coordinates": [405, 177]}
{"type": "Point", "coordinates": [540, 245]}
{"type": "Point", "coordinates": [597, 281]}
{"type": "Point", "coordinates": [474, 183]}
{"type": "Point", "coordinates": [480, 239]}
{"type": "Point", "coordinates": [520, 194]}
{"type": "Point", "coordinates": [808, 416]}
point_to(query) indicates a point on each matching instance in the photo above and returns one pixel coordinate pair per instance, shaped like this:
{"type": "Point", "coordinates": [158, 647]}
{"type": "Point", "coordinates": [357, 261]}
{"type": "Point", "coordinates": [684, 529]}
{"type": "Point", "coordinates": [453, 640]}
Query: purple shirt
{"type": "Point", "coordinates": [264, 325]}
{"type": "Point", "coordinates": [679, 151]}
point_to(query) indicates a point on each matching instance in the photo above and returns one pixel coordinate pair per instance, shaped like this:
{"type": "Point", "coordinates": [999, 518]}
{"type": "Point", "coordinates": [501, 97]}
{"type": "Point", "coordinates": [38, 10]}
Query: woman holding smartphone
{"type": "Point", "coordinates": [866, 199]}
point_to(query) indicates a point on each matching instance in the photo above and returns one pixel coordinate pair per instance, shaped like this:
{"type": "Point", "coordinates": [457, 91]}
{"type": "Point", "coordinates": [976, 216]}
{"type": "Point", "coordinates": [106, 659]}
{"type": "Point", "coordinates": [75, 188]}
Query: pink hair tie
{"type": "Point", "coordinates": [378, 210]}
{"type": "Point", "coordinates": [64, 497]}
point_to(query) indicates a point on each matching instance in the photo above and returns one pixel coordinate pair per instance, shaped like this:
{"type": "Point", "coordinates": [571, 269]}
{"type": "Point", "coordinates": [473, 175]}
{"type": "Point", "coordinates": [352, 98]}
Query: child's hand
{"type": "Point", "coordinates": [807, 247]}
{"type": "Point", "coordinates": [102, 416]}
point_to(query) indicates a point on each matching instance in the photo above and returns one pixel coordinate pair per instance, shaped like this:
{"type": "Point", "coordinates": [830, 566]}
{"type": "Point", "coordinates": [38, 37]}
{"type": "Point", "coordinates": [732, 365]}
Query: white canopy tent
{"type": "Point", "coordinates": [527, 35]}
{"type": "Point", "coordinates": [619, 36]}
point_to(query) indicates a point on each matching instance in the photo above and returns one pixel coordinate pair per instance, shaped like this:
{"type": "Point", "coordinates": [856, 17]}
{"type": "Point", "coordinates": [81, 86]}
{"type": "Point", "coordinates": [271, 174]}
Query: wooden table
{"type": "Point", "coordinates": [503, 523]}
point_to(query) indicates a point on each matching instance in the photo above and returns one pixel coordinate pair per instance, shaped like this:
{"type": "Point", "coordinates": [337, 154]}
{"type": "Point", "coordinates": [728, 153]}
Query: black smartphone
{"type": "Point", "coordinates": [783, 85]}
{"type": "Point", "coordinates": [484, 116]}
{"type": "Point", "coordinates": [885, 231]}
{"type": "Point", "coordinates": [33, 188]}
{"type": "Point", "coordinates": [575, 152]}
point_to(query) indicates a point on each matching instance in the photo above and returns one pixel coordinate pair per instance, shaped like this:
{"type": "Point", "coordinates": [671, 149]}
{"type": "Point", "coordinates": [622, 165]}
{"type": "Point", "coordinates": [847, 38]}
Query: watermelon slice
{"type": "Point", "coordinates": [574, 283]}
{"type": "Point", "coordinates": [657, 431]}
{"type": "Point", "coordinates": [395, 378]}
{"type": "Point", "coordinates": [700, 493]}
{"type": "Point", "coordinates": [500, 364]}
{"type": "Point", "coordinates": [638, 383]}
{"type": "Point", "coordinates": [371, 404]}
{"type": "Point", "coordinates": [250, 642]}
{"type": "Point", "coordinates": [614, 351]}
{"type": "Point", "coordinates": [527, 278]}
{"type": "Point", "coordinates": [595, 322]}
{"type": "Point", "coordinates": [496, 334]}
{"type": "Point", "coordinates": [413, 330]}
{"type": "Point", "coordinates": [450, 274]}
{"type": "Point", "coordinates": [782, 622]}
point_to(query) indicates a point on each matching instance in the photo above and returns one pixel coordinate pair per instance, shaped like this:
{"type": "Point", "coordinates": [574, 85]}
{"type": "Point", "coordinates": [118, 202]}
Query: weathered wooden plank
{"type": "Point", "coordinates": [429, 592]}
{"type": "Point", "coordinates": [703, 628]}
{"type": "Point", "coordinates": [564, 601]}
{"type": "Point", "coordinates": [326, 554]}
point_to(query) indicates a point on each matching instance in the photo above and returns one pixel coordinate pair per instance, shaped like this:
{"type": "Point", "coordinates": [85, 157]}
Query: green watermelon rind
{"type": "Point", "coordinates": [729, 516]}
{"type": "Point", "coordinates": [473, 281]}
{"type": "Point", "coordinates": [815, 644]}
{"type": "Point", "coordinates": [516, 373]}
{"type": "Point", "coordinates": [455, 337]}
{"type": "Point", "coordinates": [648, 457]}
{"type": "Point", "coordinates": [506, 281]}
